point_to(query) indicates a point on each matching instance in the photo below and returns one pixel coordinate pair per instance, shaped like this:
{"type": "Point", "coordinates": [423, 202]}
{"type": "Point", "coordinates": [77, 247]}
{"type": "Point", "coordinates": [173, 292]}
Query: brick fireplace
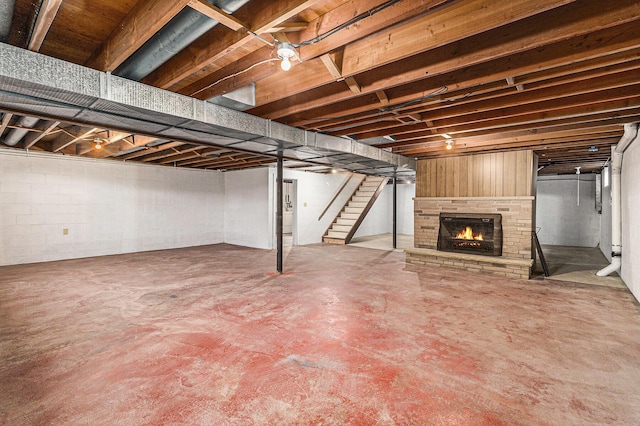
{"type": "Point", "coordinates": [472, 188]}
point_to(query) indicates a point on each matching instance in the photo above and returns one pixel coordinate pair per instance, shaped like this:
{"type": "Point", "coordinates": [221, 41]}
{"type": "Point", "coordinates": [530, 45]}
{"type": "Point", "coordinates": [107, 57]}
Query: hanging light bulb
{"type": "Point", "coordinates": [285, 64]}
{"type": "Point", "coordinates": [98, 143]}
{"type": "Point", "coordinates": [286, 52]}
{"type": "Point", "coordinates": [449, 145]}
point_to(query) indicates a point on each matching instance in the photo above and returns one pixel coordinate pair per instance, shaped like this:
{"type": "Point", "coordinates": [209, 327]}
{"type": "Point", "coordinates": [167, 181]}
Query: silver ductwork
{"type": "Point", "coordinates": [37, 85]}
{"type": "Point", "coordinates": [6, 16]}
{"type": "Point", "coordinates": [15, 135]}
{"type": "Point", "coordinates": [186, 27]}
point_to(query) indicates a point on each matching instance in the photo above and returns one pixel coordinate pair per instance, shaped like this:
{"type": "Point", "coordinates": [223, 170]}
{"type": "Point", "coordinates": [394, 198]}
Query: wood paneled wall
{"type": "Point", "coordinates": [500, 174]}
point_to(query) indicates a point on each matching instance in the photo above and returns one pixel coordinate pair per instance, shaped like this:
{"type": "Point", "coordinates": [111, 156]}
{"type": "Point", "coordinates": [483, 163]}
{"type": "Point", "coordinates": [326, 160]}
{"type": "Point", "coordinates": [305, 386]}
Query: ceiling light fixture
{"type": "Point", "coordinates": [286, 52]}
{"type": "Point", "coordinates": [98, 143]}
{"type": "Point", "coordinates": [449, 145]}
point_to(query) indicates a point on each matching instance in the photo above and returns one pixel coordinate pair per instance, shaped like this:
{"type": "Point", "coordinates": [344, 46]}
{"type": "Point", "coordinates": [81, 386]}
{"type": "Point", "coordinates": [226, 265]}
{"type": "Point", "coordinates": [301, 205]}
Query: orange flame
{"type": "Point", "coordinates": [467, 234]}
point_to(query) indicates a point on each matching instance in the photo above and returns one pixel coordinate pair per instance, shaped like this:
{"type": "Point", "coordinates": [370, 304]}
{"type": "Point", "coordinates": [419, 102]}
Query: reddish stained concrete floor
{"type": "Point", "coordinates": [210, 336]}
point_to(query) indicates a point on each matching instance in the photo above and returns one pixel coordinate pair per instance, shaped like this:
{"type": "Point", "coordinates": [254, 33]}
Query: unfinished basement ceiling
{"type": "Point", "coordinates": [558, 76]}
{"type": "Point", "coordinates": [41, 87]}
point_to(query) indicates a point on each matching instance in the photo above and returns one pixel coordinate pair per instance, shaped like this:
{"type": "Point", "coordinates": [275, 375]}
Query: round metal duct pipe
{"type": "Point", "coordinates": [16, 135]}
{"type": "Point", "coordinates": [6, 16]}
{"type": "Point", "coordinates": [182, 30]}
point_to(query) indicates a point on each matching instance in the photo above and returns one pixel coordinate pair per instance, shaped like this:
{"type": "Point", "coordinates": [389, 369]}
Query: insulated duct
{"type": "Point", "coordinates": [6, 16]}
{"type": "Point", "coordinates": [630, 133]}
{"type": "Point", "coordinates": [36, 85]}
{"type": "Point", "coordinates": [16, 135]}
{"type": "Point", "coordinates": [181, 31]}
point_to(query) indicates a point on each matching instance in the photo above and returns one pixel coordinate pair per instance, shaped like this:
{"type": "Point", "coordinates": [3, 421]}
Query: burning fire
{"type": "Point", "coordinates": [467, 234]}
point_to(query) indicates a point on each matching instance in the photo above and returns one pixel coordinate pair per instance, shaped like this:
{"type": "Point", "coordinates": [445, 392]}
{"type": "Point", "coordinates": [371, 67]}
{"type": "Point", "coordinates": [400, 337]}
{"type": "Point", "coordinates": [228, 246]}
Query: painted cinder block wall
{"type": "Point", "coordinates": [560, 219]}
{"type": "Point", "coordinates": [106, 207]}
{"type": "Point", "coordinates": [112, 207]}
{"type": "Point", "coordinates": [380, 218]}
{"type": "Point", "coordinates": [246, 208]}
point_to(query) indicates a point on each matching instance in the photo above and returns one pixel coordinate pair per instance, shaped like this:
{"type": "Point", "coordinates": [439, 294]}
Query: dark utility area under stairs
{"type": "Point", "coordinates": [353, 213]}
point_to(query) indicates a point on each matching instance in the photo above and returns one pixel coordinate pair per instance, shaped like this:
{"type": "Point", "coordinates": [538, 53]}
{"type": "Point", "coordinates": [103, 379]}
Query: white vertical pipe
{"type": "Point", "coordinates": [578, 173]}
{"type": "Point", "coordinates": [630, 134]}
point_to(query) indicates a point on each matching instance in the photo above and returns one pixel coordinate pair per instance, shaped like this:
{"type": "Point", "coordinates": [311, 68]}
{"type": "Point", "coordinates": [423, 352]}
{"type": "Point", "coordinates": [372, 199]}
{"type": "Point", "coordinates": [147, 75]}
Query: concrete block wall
{"type": "Point", "coordinates": [247, 207]}
{"type": "Point", "coordinates": [380, 217]}
{"type": "Point", "coordinates": [517, 220]}
{"type": "Point", "coordinates": [111, 207]}
{"type": "Point", "coordinates": [379, 220]}
{"type": "Point", "coordinates": [405, 195]}
{"type": "Point", "coordinates": [561, 220]}
{"type": "Point", "coordinates": [55, 207]}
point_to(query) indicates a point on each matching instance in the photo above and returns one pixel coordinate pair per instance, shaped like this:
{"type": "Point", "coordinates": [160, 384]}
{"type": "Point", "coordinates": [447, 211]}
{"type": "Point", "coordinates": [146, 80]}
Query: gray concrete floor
{"type": "Point", "coordinates": [577, 265]}
{"type": "Point", "coordinates": [383, 242]}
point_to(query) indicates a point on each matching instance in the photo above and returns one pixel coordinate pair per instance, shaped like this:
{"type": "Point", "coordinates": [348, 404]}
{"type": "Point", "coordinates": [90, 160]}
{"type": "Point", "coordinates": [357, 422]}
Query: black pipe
{"type": "Point", "coordinates": [279, 182]}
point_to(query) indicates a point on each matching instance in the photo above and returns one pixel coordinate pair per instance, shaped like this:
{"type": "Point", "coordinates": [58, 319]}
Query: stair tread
{"type": "Point", "coordinates": [349, 216]}
{"type": "Point", "coordinates": [330, 240]}
{"type": "Point", "coordinates": [335, 234]}
{"type": "Point", "coordinates": [342, 221]}
{"type": "Point", "coordinates": [353, 210]}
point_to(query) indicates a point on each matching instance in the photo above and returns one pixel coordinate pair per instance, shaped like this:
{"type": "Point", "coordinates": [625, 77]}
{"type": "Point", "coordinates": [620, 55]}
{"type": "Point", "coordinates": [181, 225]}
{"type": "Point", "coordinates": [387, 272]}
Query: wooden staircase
{"type": "Point", "coordinates": [353, 213]}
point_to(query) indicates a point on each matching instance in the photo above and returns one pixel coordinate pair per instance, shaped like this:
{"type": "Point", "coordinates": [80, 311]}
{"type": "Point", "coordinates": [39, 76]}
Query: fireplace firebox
{"type": "Point", "coordinates": [471, 233]}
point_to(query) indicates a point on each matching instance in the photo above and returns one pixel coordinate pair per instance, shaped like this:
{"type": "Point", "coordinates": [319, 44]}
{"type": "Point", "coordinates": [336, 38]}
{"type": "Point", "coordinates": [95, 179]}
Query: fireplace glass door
{"type": "Point", "coordinates": [471, 233]}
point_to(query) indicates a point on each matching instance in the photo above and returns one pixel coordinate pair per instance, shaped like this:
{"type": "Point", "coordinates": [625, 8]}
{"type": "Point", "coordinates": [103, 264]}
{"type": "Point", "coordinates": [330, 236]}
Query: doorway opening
{"type": "Point", "coordinates": [288, 212]}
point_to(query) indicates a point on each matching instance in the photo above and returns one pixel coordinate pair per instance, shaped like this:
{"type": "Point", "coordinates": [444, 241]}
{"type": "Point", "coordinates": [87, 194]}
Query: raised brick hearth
{"type": "Point", "coordinates": [517, 223]}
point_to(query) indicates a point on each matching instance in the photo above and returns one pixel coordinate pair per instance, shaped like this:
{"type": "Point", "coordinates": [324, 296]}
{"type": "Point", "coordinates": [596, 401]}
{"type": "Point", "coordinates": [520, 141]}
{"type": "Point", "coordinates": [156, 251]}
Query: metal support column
{"type": "Point", "coordinates": [395, 208]}
{"type": "Point", "coordinates": [279, 181]}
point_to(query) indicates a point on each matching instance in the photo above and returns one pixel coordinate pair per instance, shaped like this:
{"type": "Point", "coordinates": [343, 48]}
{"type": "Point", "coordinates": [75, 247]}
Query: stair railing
{"type": "Point", "coordinates": [362, 179]}
{"type": "Point", "coordinates": [364, 213]}
{"type": "Point", "coordinates": [335, 196]}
